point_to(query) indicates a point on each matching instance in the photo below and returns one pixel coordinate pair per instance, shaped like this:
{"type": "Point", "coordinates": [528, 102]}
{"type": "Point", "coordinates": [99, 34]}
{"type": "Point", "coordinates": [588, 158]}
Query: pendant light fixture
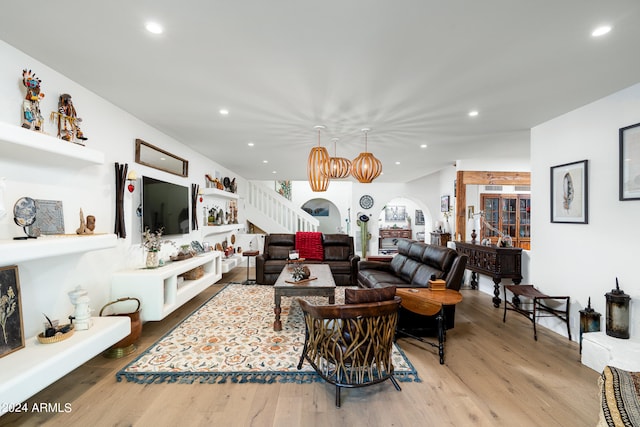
{"type": "Point", "coordinates": [366, 167]}
{"type": "Point", "coordinates": [318, 166]}
{"type": "Point", "coordinates": [339, 167]}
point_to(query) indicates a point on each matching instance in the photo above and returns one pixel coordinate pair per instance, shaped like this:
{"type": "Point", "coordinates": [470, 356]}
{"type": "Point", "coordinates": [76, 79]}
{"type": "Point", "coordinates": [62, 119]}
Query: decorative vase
{"type": "Point", "coordinates": [153, 260]}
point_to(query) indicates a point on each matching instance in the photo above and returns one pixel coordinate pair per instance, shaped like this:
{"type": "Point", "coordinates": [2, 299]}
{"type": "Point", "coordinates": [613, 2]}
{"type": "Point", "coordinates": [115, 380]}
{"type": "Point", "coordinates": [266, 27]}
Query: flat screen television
{"type": "Point", "coordinates": [165, 205]}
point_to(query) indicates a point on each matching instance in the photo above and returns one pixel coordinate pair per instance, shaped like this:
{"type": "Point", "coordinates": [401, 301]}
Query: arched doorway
{"type": "Point", "coordinates": [326, 213]}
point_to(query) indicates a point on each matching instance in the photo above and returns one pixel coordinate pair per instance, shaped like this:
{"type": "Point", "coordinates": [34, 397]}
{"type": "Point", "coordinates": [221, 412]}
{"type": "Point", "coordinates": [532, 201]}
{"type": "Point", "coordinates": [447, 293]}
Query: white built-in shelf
{"type": "Point", "coordinates": [219, 229]}
{"type": "Point", "coordinates": [214, 192]}
{"type": "Point", "coordinates": [161, 290]}
{"type": "Point", "coordinates": [15, 251]}
{"type": "Point", "coordinates": [32, 368]}
{"type": "Point", "coordinates": [20, 143]}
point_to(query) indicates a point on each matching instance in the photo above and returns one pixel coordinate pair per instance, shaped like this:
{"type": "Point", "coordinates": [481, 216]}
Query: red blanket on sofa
{"type": "Point", "coordinates": [309, 245]}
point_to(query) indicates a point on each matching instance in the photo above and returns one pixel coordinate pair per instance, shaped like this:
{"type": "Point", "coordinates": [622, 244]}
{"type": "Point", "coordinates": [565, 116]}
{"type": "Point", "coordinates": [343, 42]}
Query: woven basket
{"type": "Point", "coordinates": [56, 338]}
{"type": "Point", "coordinates": [194, 274]}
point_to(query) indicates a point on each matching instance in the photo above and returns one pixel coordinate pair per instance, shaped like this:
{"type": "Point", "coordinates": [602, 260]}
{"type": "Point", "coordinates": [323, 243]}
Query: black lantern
{"type": "Point", "coordinates": [589, 321]}
{"type": "Point", "coordinates": [617, 313]}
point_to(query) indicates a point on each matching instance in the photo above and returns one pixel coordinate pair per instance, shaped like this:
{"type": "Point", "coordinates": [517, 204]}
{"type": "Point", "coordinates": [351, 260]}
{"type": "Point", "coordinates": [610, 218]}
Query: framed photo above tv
{"type": "Point", "coordinates": [570, 193]}
{"type": "Point", "coordinates": [630, 162]}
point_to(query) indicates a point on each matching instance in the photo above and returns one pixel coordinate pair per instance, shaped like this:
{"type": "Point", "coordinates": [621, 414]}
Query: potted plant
{"type": "Point", "coordinates": [152, 242]}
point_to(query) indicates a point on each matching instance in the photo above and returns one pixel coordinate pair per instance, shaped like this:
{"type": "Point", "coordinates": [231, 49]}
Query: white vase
{"type": "Point", "coordinates": [153, 259]}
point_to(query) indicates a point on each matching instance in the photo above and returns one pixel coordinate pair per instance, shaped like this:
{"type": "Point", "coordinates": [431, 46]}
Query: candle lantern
{"type": "Point", "coordinates": [589, 321]}
{"type": "Point", "coordinates": [617, 313]}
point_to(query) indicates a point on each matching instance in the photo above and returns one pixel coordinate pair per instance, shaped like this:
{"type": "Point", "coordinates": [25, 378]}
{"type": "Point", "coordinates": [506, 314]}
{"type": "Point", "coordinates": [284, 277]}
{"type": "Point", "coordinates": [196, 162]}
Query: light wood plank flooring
{"type": "Point", "coordinates": [495, 374]}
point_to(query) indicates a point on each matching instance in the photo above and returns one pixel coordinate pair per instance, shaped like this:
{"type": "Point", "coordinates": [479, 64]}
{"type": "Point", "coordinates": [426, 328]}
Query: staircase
{"type": "Point", "coordinates": [273, 213]}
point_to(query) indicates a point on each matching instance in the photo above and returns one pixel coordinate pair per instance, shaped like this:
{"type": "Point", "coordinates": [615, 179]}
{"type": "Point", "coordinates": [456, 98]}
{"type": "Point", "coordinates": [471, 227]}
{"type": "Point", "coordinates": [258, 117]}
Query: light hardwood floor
{"type": "Point", "coordinates": [495, 374]}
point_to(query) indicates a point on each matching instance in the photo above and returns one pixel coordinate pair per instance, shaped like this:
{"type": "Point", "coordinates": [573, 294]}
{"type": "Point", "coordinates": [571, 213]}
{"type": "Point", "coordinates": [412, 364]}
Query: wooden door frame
{"type": "Point", "coordinates": [481, 178]}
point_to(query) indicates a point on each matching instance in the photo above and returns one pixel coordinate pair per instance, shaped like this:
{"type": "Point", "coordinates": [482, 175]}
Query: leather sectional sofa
{"type": "Point", "coordinates": [412, 267]}
{"type": "Point", "coordinates": [337, 250]}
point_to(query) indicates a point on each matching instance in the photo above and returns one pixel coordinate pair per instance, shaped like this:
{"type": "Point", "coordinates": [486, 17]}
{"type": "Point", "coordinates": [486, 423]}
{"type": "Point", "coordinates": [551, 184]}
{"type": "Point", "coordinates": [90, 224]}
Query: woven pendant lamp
{"type": "Point", "coordinates": [366, 167]}
{"type": "Point", "coordinates": [318, 166]}
{"type": "Point", "coordinates": [339, 167]}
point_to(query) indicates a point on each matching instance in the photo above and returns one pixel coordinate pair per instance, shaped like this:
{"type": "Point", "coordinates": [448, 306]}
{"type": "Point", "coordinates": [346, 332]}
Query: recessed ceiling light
{"type": "Point", "coordinates": [473, 113]}
{"type": "Point", "coordinates": [601, 31]}
{"type": "Point", "coordinates": [274, 172]}
{"type": "Point", "coordinates": [265, 161]}
{"type": "Point", "coordinates": [251, 144]}
{"type": "Point", "coordinates": [224, 112]}
{"type": "Point", "coordinates": [154, 27]}
{"type": "Point", "coordinates": [397, 163]}
{"type": "Point", "coordinates": [423, 145]}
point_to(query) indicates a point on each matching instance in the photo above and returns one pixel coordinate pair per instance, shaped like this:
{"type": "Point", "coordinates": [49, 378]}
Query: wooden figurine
{"type": "Point", "coordinates": [31, 116]}
{"type": "Point", "coordinates": [68, 120]}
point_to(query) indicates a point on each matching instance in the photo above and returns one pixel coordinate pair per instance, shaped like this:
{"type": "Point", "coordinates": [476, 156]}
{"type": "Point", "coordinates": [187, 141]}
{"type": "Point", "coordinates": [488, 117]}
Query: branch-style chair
{"type": "Point", "coordinates": [350, 345]}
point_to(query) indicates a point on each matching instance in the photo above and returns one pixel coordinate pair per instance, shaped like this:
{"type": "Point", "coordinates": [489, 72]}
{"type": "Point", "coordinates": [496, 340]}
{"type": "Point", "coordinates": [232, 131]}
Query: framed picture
{"type": "Point", "coordinates": [317, 207]}
{"type": "Point", "coordinates": [11, 327]}
{"type": "Point", "coordinates": [570, 193]}
{"type": "Point", "coordinates": [444, 204]}
{"type": "Point", "coordinates": [630, 162]}
{"type": "Point", "coordinates": [419, 217]}
{"type": "Point", "coordinates": [395, 213]}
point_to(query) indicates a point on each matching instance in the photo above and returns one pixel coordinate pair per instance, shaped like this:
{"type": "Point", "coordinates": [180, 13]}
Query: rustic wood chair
{"type": "Point", "coordinates": [350, 345]}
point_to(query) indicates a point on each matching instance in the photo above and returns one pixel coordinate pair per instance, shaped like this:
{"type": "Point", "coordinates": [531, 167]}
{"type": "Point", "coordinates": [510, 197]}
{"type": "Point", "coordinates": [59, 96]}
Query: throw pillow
{"type": "Point", "coordinates": [360, 296]}
{"type": "Point", "coordinates": [309, 245]}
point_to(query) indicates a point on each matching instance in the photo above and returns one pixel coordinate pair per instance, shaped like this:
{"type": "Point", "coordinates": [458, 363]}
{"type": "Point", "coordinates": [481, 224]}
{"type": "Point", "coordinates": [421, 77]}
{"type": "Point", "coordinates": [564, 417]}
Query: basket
{"type": "Point", "coordinates": [194, 274]}
{"type": "Point", "coordinates": [56, 338]}
{"type": "Point", "coordinates": [126, 345]}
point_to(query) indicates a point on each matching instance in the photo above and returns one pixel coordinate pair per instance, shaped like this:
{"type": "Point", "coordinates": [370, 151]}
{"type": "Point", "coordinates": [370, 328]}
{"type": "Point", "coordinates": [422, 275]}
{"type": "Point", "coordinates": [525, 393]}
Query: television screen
{"type": "Point", "coordinates": [164, 205]}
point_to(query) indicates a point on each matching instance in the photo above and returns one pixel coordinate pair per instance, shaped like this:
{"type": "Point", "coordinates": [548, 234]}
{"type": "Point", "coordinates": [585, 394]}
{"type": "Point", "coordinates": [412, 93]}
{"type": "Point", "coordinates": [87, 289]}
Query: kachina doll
{"type": "Point", "coordinates": [31, 116]}
{"type": "Point", "coordinates": [68, 120]}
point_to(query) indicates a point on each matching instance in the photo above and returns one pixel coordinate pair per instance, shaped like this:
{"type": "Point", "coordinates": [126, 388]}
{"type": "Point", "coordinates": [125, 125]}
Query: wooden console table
{"type": "Point", "coordinates": [393, 233]}
{"type": "Point", "coordinates": [496, 262]}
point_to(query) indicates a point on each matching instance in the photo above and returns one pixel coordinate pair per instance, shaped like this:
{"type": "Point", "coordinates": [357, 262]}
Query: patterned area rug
{"type": "Point", "coordinates": [231, 337]}
{"type": "Point", "coordinates": [620, 398]}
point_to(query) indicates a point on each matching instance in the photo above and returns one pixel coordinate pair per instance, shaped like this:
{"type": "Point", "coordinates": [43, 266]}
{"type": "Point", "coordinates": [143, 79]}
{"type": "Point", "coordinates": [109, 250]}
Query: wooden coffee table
{"type": "Point", "coordinates": [323, 286]}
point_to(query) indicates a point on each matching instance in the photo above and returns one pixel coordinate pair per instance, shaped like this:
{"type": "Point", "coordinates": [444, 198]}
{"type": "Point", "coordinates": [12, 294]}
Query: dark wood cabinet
{"type": "Point", "coordinates": [393, 233]}
{"type": "Point", "coordinates": [495, 262]}
{"type": "Point", "coordinates": [509, 213]}
{"type": "Point", "coordinates": [440, 239]}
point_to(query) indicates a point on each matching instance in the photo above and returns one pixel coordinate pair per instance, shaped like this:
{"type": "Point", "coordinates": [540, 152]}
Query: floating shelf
{"type": "Point", "coordinates": [15, 251]}
{"type": "Point", "coordinates": [32, 368]}
{"type": "Point", "coordinates": [219, 229]}
{"type": "Point", "coordinates": [19, 143]}
{"type": "Point", "coordinates": [214, 192]}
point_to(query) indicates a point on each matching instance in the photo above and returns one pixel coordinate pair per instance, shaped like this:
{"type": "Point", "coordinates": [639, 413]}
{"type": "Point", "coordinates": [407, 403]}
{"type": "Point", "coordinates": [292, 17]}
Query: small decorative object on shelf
{"type": "Point", "coordinates": [589, 321]}
{"type": "Point", "coordinates": [86, 227]}
{"type": "Point", "coordinates": [31, 116]}
{"type": "Point", "coordinates": [54, 333]}
{"type": "Point", "coordinates": [68, 120]}
{"type": "Point", "coordinates": [24, 215]}
{"type": "Point", "coordinates": [152, 242]}
{"type": "Point", "coordinates": [82, 314]}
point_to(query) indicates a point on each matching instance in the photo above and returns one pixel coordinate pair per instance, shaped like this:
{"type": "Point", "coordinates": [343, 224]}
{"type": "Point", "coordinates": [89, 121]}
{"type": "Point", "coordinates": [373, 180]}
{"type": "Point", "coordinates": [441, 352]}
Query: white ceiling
{"type": "Point", "coordinates": [410, 70]}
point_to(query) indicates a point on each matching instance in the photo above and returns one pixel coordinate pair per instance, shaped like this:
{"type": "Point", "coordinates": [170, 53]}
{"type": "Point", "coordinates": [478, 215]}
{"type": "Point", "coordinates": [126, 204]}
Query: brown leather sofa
{"type": "Point", "coordinates": [338, 254]}
{"type": "Point", "coordinates": [412, 267]}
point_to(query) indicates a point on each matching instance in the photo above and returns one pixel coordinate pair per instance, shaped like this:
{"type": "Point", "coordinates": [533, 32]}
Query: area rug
{"type": "Point", "coordinates": [231, 338]}
{"type": "Point", "coordinates": [620, 398]}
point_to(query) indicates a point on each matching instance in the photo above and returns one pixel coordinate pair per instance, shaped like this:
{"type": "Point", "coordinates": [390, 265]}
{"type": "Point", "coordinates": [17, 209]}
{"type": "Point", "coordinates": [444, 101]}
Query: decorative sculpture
{"type": "Point", "coordinates": [68, 120]}
{"type": "Point", "coordinates": [82, 314]}
{"type": "Point", "coordinates": [86, 227]}
{"type": "Point", "coordinates": [31, 117]}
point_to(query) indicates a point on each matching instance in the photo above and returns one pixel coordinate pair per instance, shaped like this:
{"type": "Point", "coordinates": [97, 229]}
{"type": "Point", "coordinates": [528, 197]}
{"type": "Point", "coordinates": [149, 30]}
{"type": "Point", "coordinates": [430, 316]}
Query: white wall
{"type": "Point", "coordinates": [583, 260]}
{"type": "Point", "coordinates": [44, 283]}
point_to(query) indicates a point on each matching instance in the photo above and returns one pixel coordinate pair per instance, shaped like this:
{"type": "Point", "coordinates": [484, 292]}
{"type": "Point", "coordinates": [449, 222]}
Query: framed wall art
{"type": "Point", "coordinates": [395, 213]}
{"type": "Point", "coordinates": [630, 162]}
{"type": "Point", "coordinates": [444, 204]}
{"type": "Point", "coordinates": [11, 327]}
{"type": "Point", "coordinates": [570, 193]}
{"type": "Point", "coordinates": [419, 217]}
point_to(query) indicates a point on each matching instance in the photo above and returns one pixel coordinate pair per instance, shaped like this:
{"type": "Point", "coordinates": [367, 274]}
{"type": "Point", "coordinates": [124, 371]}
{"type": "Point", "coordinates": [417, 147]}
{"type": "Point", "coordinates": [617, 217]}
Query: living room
{"type": "Point", "coordinates": [561, 254]}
